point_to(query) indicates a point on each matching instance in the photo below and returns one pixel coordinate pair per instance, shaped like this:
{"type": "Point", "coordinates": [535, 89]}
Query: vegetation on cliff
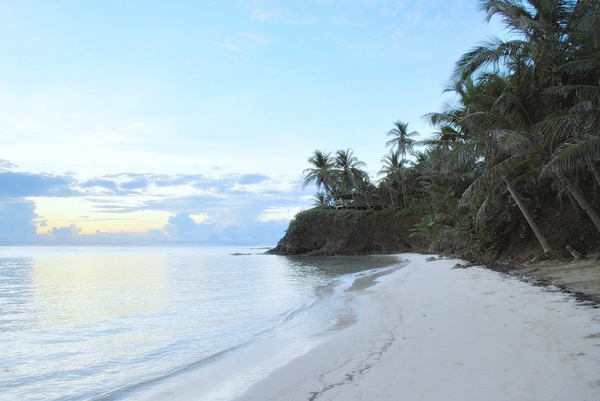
{"type": "Point", "coordinates": [323, 231]}
{"type": "Point", "coordinates": [512, 168]}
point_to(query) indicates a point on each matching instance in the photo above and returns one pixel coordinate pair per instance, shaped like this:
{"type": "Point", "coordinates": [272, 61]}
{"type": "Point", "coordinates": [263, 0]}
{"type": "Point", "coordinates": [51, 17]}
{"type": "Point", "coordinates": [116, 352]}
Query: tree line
{"type": "Point", "coordinates": [522, 136]}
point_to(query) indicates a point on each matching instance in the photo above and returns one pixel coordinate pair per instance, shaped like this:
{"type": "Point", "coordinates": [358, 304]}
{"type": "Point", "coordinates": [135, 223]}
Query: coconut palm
{"type": "Point", "coordinates": [403, 142]}
{"type": "Point", "coordinates": [584, 35]}
{"type": "Point", "coordinates": [393, 164]}
{"type": "Point", "coordinates": [401, 139]}
{"type": "Point", "coordinates": [578, 135]}
{"type": "Point", "coordinates": [322, 199]}
{"type": "Point", "coordinates": [348, 172]}
{"type": "Point", "coordinates": [321, 172]}
{"type": "Point", "coordinates": [540, 38]}
{"type": "Point", "coordinates": [508, 132]}
{"type": "Point", "coordinates": [498, 123]}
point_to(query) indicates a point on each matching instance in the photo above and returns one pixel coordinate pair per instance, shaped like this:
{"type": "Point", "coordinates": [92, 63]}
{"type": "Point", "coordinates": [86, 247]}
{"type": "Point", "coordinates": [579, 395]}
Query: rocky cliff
{"type": "Point", "coordinates": [347, 232]}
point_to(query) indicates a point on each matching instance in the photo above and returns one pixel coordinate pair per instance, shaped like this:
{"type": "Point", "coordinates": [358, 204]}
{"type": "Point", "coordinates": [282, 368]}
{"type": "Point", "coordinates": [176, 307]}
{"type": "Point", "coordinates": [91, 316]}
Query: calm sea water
{"type": "Point", "coordinates": [124, 323]}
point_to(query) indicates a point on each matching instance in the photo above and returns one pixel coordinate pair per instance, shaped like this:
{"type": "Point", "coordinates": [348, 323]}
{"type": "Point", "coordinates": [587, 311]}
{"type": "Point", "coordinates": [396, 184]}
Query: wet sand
{"type": "Point", "coordinates": [431, 332]}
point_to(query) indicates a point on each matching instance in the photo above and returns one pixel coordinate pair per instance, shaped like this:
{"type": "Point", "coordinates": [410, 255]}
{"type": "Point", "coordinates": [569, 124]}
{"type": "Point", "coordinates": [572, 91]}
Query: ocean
{"type": "Point", "coordinates": [100, 323]}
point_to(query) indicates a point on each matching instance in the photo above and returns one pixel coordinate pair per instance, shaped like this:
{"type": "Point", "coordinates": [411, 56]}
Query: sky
{"type": "Point", "coordinates": [191, 122]}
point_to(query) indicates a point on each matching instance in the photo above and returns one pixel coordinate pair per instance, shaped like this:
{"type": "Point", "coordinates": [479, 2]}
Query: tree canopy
{"type": "Point", "coordinates": [520, 141]}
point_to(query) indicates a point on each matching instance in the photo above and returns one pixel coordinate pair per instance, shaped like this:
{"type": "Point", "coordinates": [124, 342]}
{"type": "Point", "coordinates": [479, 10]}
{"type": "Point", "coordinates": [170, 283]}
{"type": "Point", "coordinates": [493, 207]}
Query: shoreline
{"type": "Point", "coordinates": [430, 332]}
{"type": "Point", "coordinates": [579, 277]}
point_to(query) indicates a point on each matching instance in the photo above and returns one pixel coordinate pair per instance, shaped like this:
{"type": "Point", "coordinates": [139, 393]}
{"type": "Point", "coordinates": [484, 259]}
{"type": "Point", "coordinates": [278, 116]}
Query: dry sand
{"type": "Point", "coordinates": [430, 332]}
{"type": "Point", "coordinates": [581, 277]}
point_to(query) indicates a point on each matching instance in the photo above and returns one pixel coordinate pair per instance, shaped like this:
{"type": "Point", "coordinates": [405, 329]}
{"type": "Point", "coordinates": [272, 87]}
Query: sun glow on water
{"type": "Point", "coordinates": [74, 283]}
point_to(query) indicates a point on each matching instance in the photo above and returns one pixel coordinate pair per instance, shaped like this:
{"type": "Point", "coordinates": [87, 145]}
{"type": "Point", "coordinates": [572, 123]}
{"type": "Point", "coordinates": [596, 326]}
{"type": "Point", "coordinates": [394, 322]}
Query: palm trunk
{"type": "Point", "coordinates": [403, 192]}
{"type": "Point", "coordinates": [575, 205]}
{"type": "Point", "coordinates": [585, 205]}
{"type": "Point", "coordinates": [534, 227]}
{"type": "Point", "coordinates": [593, 169]}
{"type": "Point", "coordinates": [391, 196]}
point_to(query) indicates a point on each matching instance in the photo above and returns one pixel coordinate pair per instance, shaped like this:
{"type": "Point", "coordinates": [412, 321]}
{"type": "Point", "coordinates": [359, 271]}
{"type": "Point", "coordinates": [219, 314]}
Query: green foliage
{"type": "Point", "coordinates": [522, 135]}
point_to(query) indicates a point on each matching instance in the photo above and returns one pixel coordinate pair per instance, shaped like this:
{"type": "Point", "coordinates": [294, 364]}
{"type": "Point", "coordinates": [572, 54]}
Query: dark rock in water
{"type": "Point", "coordinates": [240, 254]}
{"type": "Point", "coordinates": [430, 259]}
{"type": "Point", "coordinates": [347, 232]}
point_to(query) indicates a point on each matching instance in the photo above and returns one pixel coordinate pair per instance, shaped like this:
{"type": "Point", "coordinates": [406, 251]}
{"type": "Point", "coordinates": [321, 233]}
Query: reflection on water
{"type": "Point", "coordinates": [77, 288]}
{"type": "Point", "coordinates": [335, 266]}
{"type": "Point", "coordinates": [15, 293]}
{"type": "Point", "coordinates": [90, 322]}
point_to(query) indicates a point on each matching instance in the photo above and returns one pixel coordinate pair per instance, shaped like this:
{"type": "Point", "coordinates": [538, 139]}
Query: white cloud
{"type": "Point", "coordinates": [65, 232]}
{"type": "Point", "coordinates": [279, 213]}
{"type": "Point", "coordinates": [182, 225]}
{"type": "Point", "coordinates": [228, 230]}
{"type": "Point", "coordinates": [6, 165]}
{"type": "Point", "coordinates": [16, 222]}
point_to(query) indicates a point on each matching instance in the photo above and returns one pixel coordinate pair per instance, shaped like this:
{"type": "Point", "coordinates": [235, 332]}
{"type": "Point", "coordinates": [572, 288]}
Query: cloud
{"type": "Point", "coordinates": [99, 183]}
{"type": "Point", "coordinates": [6, 165]}
{"type": "Point", "coordinates": [129, 183]}
{"type": "Point", "coordinates": [65, 232]}
{"type": "Point", "coordinates": [137, 183]}
{"type": "Point", "coordinates": [279, 213]}
{"type": "Point", "coordinates": [213, 201]}
{"type": "Point", "coordinates": [181, 228]}
{"type": "Point", "coordinates": [16, 222]}
{"type": "Point", "coordinates": [230, 209]}
{"type": "Point", "coordinates": [19, 185]}
{"type": "Point", "coordinates": [200, 187]}
{"type": "Point", "coordinates": [249, 179]}
{"type": "Point", "coordinates": [255, 232]}
{"type": "Point", "coordinates": [181, 224]}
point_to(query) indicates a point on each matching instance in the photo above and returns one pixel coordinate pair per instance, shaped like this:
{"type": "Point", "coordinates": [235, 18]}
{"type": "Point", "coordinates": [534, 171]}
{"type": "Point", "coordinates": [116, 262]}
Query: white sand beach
{"type": "Point", "coordinates": [430, 332]}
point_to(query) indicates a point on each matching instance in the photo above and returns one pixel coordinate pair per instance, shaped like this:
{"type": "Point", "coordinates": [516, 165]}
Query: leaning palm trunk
{"type": "Point", "coordinates": [585, 205]}
{"type": "Point", "coordinates": [593, 169]}
{"type": "Point", "coordinates": [534, 227]}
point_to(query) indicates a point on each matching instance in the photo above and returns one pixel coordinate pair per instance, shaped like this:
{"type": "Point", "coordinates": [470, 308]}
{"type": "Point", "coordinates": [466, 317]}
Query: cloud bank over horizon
{"type": "Point", "coordinates": [232, 209]}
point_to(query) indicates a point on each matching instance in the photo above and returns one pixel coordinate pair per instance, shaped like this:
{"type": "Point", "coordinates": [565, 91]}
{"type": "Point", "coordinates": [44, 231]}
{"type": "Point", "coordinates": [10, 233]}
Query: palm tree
{"type": "Point", "coordinates": [516, 74]}
{"type": "Point", "coordinates": [401, 139]}
{"type": "Point", "coordinates": [584, 26]}
{"type": "Point", "coordinates": [578, 134]}
{"type": "Point", "coordinates": [404, 144]}
{"type": "Point", "coordinates": [392, 172]}
{"type": "Point", "coordinates": [540, 38]}
{"type": "Point", "coordinates": [348, 171]}
{"type": "Point", "coordinates": [322, 199]}
{"type": "Point", "coordinates": [321, 172]}
{"type": "Point", "coordinates": [497, 124]}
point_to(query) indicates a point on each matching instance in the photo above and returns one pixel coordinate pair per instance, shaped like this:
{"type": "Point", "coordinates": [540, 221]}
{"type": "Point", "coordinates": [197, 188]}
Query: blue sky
{"type": "Point", "coordinates": [151, 122]}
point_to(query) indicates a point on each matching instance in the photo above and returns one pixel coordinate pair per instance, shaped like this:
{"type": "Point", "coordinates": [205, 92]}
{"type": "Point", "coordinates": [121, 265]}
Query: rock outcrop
{"type": "Point", "coordinates": [347, 232]}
